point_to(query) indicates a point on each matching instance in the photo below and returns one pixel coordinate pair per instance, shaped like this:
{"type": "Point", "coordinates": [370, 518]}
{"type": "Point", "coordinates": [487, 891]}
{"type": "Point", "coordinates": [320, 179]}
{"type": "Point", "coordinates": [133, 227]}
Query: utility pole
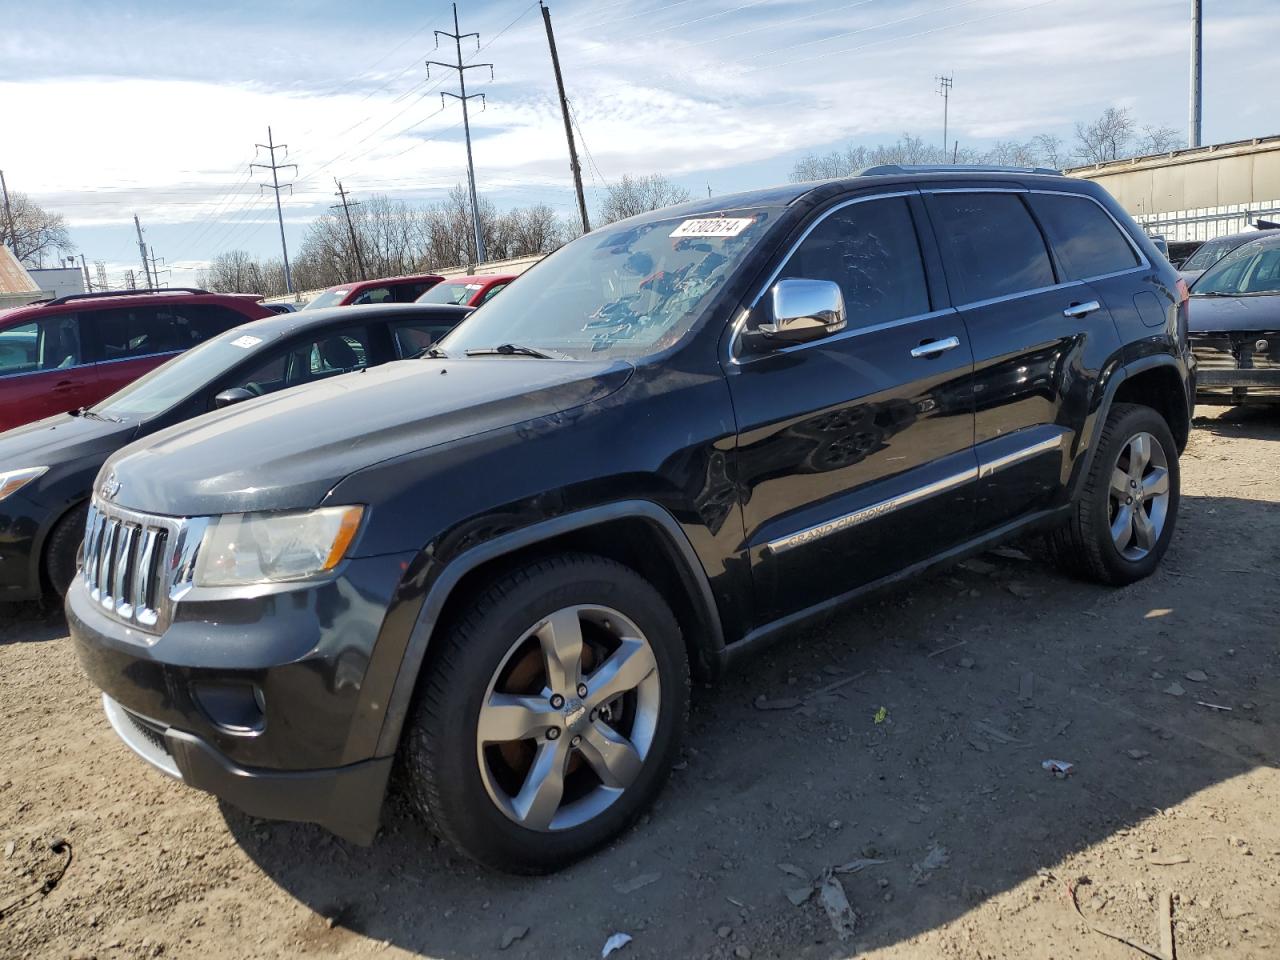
{"type": "Point", "coordinates": [142, 250]}
{"type": "Point", "coordinates": [129, 282]}
{"type": "Point", "coordinates": [8, 213]}
{"type": "Point", "coordinates": [271, 146]}
{"type": "Point", "coordinates": [88, 285]}
{"type": "Point", "coordinates": [100, 271]}
{"type": "Point", "coordinates": [944, 91]}
{"type": "Point", "coordinates": [1193, 124]}
{"type": "Point", "coordinates": [346, 208]}
{"type": "Point", "coordinates": [155, 271]}
{"type": "Point", "coordinates": [574, 165]}
{"type": "Point", "coordinates": [462, 97]}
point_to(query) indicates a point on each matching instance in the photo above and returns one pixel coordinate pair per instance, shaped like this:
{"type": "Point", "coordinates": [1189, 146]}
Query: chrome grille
{"type": "Point", "coordinates": [136, 565]}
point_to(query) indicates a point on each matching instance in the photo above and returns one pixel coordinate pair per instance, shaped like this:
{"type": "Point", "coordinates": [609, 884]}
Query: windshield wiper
{"type": "Point", "coordinates": [510, 350]}
{"type": "Point", "coordinates": [432, 353]}
{"type": "Point", "coordinates": [91, 415]}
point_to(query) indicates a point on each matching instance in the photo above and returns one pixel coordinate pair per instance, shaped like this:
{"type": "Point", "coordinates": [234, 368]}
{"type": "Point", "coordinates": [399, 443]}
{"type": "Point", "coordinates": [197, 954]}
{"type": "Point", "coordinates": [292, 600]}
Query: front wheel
{"type": "Point", "coordinates": [1123, 518]}
{"type": "Point", "coordinates": [549, 716]}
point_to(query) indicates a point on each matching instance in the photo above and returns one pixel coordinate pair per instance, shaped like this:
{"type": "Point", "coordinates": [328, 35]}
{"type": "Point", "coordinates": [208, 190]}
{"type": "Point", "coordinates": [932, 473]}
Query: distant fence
{"type": "Point", "coordinates": [1207, 222]}
{"type": "Point", "coordinates": [516, 265]}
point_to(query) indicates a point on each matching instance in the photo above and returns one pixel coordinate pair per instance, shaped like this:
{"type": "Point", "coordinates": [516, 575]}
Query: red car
{"type": "Point", "coordinates": [467, 291]}
{"type": "Point", "coordinates": [71, 352]}
{"type": "Point", "coordinates": [386, 290]}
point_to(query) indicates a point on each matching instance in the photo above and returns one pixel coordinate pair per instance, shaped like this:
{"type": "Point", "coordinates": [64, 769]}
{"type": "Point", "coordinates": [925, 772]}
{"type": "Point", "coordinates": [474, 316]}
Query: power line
{"type": "Point", "coordinates": [462, 97]}
{"type": "Point", "coordinates": [275, 185]}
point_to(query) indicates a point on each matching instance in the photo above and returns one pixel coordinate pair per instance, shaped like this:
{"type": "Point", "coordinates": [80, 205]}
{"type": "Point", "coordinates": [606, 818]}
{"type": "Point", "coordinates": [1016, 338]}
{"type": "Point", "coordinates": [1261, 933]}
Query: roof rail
{"type": "Point", "coordinates": [891, 168]}
{"type": "Point", "coordinates": [119, 293]}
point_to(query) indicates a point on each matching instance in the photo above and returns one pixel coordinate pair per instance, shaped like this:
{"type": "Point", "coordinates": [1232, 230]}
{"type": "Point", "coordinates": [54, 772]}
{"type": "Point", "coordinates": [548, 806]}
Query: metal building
{"type": "Point", "coordinates": [1198, 193]}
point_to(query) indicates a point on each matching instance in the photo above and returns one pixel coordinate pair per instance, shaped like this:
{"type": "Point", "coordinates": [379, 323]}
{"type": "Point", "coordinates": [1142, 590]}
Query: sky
{"type": "Point", "coordinates": [113, 108]}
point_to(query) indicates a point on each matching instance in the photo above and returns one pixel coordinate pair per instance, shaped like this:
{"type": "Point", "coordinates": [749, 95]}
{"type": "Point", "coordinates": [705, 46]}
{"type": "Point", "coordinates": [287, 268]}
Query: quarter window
{"type": "Point", "coordinates": [993, 247]}
{"type": "Point", "coordinates": [1087, 241]}
{"type": "Point", "coordinates": [871, 250]}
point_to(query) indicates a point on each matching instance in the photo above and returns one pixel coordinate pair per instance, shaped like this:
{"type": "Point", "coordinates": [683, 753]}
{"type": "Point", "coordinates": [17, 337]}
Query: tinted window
{"type": "Point", "coordinates": [414, 336]}
{"type": "Point", "coordinates": [871, 250]}
{"type": "Point", "coordinates": [339, 352]}
{"type": "Point", "coordinates": [993, 246]}
{"type": "Point", "coordinates": [137, 332]}
{"type": "Point", "coordinates": [49, 344]}
{"type": "Point", "coordinates": [313, 359]}
{"type": "Point", "coordinates": [375, 295]}
{"type": "Point", "coordinates": [409, 292]}
{"type": "Point", "coordinates": [1087, 241]}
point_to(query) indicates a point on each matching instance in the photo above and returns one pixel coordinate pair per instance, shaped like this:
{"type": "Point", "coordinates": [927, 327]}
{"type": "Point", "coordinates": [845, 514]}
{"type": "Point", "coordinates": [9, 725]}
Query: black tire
{"type": "Point", "coordinates": [62, 548]}
{"type": "Point", "coordinates": [439, 764]}
{"type": "Point", "coordinates": [1084, 547]}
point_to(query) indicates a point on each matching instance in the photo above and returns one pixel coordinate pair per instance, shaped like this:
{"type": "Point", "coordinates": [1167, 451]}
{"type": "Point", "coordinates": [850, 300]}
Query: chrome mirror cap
{"type": "Point", "coordinates": [803, 310]}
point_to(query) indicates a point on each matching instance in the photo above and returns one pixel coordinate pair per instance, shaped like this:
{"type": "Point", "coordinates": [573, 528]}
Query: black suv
{"type": "Point", "coordinates": [499, 565]}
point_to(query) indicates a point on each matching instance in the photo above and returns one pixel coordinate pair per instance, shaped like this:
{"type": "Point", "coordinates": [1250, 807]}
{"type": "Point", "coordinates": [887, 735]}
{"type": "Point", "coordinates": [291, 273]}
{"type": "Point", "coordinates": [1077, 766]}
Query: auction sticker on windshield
{"type": "Point", "coordinates": [245, 342]}
{"type": "Point", "coordinates": [713, 227]}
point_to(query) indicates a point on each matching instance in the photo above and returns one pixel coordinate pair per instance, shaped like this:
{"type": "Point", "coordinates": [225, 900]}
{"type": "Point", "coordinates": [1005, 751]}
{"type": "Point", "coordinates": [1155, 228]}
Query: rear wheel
{"type": "Point", "coordinates": [62, 549]}
{"type": "Point", "coordinates": [550, 714]}
{"type": "Point", "coordinates": [1124, 516]}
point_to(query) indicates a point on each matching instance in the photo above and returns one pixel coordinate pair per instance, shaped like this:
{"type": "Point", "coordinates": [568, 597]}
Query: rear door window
{"type": "Point", "coordinates": [138, 331]}
{"type": "Point", "coordinates": [992, 246]}
{"type": "Point", "coordinates": [1086, 239]}
{"type": "Point", "coordinates": [871, 250]}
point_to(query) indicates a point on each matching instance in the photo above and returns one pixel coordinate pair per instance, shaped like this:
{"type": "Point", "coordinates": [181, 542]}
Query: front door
{"type": "Point", "coordinates": [42, 370]}
{"type": "Point", "coordinates": [855, 452]}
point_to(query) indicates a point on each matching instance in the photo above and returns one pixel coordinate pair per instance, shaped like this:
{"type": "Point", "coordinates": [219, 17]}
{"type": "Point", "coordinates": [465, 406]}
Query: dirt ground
{"type": "Point", "coordinates": [928, 757]}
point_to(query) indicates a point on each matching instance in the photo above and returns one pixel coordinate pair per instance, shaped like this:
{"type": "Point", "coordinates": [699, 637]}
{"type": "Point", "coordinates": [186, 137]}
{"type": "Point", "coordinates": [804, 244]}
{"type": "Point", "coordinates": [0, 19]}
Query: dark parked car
{"type": "Point", "coordinates": [47, 468]}
{"type": "Point", "coordinates": [689, 432]}
{"type": "Point", "coordinates": [1211, 251]}
{"type": "Point", "coordinates": [384, 290]}
{"type": "Point", "coordinates": [1235, 325]}
{"type": "Point", "coordinates": [71, 352]}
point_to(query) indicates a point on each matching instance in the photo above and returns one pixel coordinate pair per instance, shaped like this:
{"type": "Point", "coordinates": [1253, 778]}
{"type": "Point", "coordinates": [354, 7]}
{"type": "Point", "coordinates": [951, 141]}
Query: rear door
{"type": "Point", "coordinates": [43, 370]}
{"type": "Point", "coordinates": [1039, 339]}
{"type": "Point", "coordinates": [855, 452]}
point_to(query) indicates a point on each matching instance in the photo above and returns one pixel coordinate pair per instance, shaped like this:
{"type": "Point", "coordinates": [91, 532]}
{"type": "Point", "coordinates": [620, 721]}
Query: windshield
{"type": "Point", "coordinates": [330, 298]}
{"type": "Point", "coordinates": [1249, 269]}
{"type": "Point", "coordinates": [626, 290]}
{"type": "Point", "coordinates": [171, 383]}
{"type": "Point", "coordinates": [449, 293]}
{"type": "Point", "coordinates": [1209, 253]}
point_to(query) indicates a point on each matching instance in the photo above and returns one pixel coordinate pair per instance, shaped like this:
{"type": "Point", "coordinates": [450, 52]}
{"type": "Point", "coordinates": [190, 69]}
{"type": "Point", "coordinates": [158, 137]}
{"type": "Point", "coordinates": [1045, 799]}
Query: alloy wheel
{"type": "Point", "coordinates": [1139, 496]}
{"type": "Point", "coordinates": [568, 718]}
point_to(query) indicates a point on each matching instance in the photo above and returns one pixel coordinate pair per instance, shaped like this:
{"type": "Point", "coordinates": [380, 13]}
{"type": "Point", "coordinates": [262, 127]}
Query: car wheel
{"type": "Point", "coordinates": [1124, 516]}
{"type": "Point", "coordinates": [549, 714]}
{"type": "Point", "coordinates": [63, 548]}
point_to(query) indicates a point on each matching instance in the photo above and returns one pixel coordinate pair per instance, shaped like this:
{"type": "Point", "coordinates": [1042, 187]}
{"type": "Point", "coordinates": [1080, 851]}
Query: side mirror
{"type": "Point", "coordinates": [235, 395]}
{"type": "Point", "coordinates": [802, 310]}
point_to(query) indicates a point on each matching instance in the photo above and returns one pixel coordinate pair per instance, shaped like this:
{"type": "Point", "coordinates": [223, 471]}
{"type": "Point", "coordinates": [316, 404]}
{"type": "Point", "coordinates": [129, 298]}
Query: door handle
{"type": "Point", "coordinates": [1078, 310]}
{"type": "Point", "coordinates": [62, 386]}
{"type": "Point", "coordinates": [931, 348]}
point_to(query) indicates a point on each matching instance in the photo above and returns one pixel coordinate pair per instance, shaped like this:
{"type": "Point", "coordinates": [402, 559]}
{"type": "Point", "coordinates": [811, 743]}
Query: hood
{"type": "Point", "coordinates": [1257, 313]}
{"type": "Point", "coordinates": [61, 439]}
{"type": "Point", "coordinates": [289, 449]}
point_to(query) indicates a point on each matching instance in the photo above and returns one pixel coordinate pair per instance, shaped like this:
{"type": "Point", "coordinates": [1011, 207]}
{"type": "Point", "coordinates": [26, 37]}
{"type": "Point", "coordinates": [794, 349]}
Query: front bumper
{"type": "Point", "coordinates": [1233, 370]}
{"type": "Point", "coordinates": [341, 800]}
{"type": "Point", "coordinates": [273, 702]}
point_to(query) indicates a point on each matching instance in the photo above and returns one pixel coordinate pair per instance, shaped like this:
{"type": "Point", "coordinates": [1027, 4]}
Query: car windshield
{"type": "Point", "coordinates": [626, 290]}
{"type": "Point", "coordinates": [1247, 270]}
{"type": "Point", "coordinates": [449, 293]}
{"type": "Point", "coordinates": [330, 298]}
{"type": "Point", "coordinates": [171, 383]}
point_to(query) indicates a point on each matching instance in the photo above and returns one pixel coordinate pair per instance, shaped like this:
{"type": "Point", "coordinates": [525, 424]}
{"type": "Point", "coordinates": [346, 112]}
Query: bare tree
{"type": "Point", "coordinates": [37, 232]}
{"type": "Point", "coordinates": [635, 195]}
{"type": "Point", "coordinates": [1049, 150]}
{"type": "Point", "coordinates": [1159, 140]}
{"type": "Point", "coordinates": [1110, 137]}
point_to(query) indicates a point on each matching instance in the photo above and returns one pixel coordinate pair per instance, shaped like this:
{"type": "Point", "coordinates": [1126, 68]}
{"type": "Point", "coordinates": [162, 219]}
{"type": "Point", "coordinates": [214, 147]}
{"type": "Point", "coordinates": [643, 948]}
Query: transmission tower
{"type": "Point", "coordinates": [271, 146]}
{"type": "Point", "coordinates": [462, 97]}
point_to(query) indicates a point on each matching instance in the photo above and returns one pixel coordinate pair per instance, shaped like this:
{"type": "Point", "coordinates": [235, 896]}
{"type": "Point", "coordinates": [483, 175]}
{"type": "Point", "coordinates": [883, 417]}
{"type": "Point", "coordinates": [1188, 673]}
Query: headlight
{"type": "Point", "coordinates": [11, 481]}
{"type": "Point", "coordinates": [244, 548]}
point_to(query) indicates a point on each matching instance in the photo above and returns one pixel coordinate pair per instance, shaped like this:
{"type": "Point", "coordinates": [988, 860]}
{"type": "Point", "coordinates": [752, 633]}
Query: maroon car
{"type": "Point", "coordinates": [467, 291]}
{"type": "Point", "coordinates": [386, 290]}
{"type": "Point", "coordinates": [68, 353]}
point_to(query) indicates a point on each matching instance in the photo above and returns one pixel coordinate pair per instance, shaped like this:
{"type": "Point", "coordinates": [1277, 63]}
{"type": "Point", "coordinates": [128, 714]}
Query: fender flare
{"type": "Point", "coordinates": [1095, 421]}
{"type": "Point", "coordinates": [424, 626]}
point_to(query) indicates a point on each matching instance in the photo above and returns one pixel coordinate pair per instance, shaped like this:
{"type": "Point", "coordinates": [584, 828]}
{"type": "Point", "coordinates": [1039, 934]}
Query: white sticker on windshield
{"type": "Point", "coordinates": [713, 227]}
{"type": "Point", "coordinates": [245, 342]}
